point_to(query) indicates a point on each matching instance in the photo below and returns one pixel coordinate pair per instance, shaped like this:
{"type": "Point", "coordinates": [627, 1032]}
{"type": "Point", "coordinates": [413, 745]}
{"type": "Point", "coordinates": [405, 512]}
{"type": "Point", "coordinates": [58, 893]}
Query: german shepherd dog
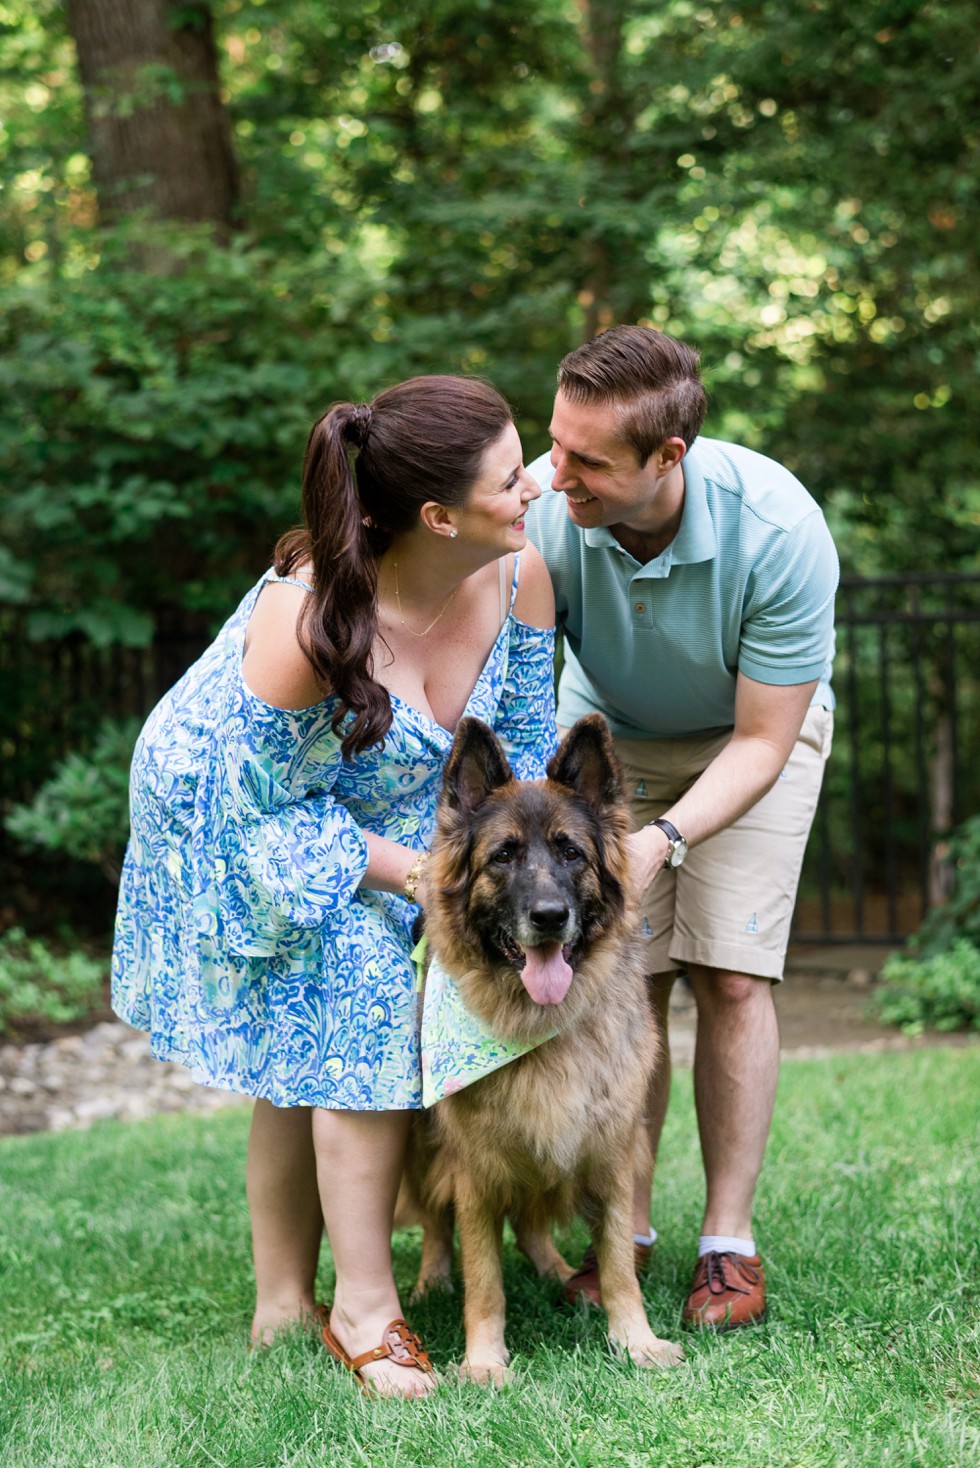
{"type": "Point", "coordinates": [529, 913]}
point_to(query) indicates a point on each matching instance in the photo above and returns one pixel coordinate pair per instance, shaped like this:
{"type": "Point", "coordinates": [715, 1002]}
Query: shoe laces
{"type": "Point", "coordinates": [721, 1267]}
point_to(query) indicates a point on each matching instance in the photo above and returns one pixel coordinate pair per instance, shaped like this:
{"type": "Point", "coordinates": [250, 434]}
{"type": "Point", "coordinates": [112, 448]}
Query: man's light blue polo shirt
{"type": "Point", "coordinates": [747, 584]}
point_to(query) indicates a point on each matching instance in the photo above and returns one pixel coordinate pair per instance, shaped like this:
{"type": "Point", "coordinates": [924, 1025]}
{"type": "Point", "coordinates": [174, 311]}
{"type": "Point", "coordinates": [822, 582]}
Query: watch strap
{"type": "Point", "coordinates": [670, 831]}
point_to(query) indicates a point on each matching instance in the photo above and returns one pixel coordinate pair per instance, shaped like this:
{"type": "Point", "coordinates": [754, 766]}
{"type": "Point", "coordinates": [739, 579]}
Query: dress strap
{"type": "Point", "coordinates": [507, 602]}
{"type": "Point", "coordinates": [270, 575]}
{"type": "Point", "coordinates": [513, 584]}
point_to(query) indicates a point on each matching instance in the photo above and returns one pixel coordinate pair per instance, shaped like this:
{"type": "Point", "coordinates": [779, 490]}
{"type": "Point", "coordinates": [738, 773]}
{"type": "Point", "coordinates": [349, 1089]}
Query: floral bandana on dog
{"type": "Point", "coordinates": [457, 1048]}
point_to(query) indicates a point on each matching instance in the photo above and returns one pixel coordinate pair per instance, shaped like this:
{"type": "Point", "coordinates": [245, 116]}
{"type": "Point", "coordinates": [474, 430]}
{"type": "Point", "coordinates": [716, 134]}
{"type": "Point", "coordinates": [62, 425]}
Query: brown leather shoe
{"type": "Point", "coordinates": [584, 1283]}
{"type": "Point", "coordinates": [728, 1290]}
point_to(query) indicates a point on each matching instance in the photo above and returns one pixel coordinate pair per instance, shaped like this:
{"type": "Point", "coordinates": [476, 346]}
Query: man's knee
{"type": "Point", "coordinates": [718, 988]}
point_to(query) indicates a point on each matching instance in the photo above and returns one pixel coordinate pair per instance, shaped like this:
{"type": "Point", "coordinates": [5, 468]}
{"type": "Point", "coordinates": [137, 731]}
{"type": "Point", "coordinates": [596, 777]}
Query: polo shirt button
{"type": "Point", "coordinates": [639, 606]}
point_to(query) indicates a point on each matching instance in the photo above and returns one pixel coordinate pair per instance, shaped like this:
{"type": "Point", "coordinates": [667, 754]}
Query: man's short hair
{"type": "Point", "coordinates": [653, 380]}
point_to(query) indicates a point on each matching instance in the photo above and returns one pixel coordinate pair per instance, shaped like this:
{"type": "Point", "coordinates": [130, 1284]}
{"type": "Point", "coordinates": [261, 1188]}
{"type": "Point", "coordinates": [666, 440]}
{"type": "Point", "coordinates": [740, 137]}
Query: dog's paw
{"type": "Point", "coordinates": [649, 1352]}
{"type": "Point", "coordinates": [540, 1251]}
{"type": "Point", "coordinates": [485, 1373]}
{"type": "Point", "coordinates": [431, 1284]}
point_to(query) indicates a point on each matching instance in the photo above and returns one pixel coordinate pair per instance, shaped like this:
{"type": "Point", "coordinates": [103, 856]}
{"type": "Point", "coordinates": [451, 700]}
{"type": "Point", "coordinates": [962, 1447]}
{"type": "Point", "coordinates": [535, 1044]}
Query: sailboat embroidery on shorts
{"type": "Point", "coordinates": [646, 929]}
{"type": "Point", "coordinates": [752, 926]}
{"type": "Point", "coordinates": [641, 790]}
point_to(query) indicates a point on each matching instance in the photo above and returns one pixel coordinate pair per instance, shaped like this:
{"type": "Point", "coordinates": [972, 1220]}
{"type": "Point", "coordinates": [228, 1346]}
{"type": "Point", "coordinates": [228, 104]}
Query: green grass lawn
{"type": "Point", "coordinates": [125, 1301]}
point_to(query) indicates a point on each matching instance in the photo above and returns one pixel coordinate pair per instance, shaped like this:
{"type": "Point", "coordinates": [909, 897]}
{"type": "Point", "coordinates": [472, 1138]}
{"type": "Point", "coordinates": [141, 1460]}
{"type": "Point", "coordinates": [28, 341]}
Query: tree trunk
{"type": "Point", "coordinates": [159, 132]}
{"type": "Point", "coordinates": [942, 875]}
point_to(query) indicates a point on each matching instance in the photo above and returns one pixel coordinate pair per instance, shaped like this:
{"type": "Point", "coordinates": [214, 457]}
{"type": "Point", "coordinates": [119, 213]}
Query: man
{"type": "Point", "coordinates": [695, 584]}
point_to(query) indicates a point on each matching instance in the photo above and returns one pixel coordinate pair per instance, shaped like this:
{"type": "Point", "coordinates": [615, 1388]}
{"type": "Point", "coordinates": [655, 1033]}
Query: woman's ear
{"type": "Point", "coordinates": [437, 518]}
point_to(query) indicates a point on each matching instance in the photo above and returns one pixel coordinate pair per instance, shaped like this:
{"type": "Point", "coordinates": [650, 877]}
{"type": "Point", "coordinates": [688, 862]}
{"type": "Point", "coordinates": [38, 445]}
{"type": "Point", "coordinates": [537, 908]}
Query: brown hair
{"type": "Point", "coordinates": [369, 469]}
{"type": "Point", "coordinates": [654, 380]}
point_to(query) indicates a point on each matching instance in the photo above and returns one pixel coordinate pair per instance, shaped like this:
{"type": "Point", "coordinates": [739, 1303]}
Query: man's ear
{"type": "Point", "coordinates": [670, 454]}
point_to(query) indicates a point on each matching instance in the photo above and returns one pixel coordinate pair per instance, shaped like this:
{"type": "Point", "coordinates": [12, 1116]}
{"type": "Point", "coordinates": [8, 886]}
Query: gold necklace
{"type": "Point", "coordinates": [442, 609]}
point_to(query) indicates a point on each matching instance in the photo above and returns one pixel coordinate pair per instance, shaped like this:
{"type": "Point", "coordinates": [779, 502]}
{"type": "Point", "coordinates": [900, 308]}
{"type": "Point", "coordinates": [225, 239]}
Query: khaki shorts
{"type": "Point", "coordinates": [731, 903]}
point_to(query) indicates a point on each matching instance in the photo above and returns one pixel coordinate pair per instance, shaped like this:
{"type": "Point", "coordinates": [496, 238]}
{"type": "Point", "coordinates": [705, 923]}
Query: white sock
{"type": "Point", "coordinates": [647, 1239]}
{"type": "Point", "coordinates": [724, 1244]}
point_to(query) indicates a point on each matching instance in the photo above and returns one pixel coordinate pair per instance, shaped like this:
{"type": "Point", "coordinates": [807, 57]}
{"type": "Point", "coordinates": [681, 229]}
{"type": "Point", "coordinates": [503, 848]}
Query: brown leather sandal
{"type": "Point", "coordinates": [399, 1343]}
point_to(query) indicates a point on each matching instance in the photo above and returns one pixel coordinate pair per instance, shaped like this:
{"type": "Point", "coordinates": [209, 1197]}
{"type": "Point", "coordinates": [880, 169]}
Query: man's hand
{"type": "Point", "coordinates": [767, 722]}
{"type": "Point", "coordinates": [647, 851]}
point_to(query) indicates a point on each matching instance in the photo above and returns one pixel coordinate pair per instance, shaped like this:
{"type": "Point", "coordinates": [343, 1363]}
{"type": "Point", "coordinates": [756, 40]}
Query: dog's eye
{"type": "Point", "coordinates": [503, 856]}
{"type": "Point", "coordinates": [571, 852]}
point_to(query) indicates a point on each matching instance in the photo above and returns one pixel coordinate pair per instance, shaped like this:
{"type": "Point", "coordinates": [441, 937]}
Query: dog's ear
{"type": "Point", "coordinates": [477, 764]}
{"type": "Point", "coordinates": [586, 761]}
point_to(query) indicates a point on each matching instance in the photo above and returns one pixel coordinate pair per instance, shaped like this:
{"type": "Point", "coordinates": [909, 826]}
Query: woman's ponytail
{"type": "Point", "coordinates": [339, 621]}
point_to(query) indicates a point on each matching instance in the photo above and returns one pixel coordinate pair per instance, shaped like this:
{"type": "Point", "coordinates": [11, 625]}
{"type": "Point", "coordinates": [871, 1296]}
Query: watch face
{"type": "Point", "coordinates": [676, 852]}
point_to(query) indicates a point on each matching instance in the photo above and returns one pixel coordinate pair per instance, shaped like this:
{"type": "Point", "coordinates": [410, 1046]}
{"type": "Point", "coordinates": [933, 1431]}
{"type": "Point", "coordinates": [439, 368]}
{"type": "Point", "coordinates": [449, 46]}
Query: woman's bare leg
{"type": "Point", "coordinates": [359, 1156]}
{"type": "Point", "coordinates": [287, 1220]}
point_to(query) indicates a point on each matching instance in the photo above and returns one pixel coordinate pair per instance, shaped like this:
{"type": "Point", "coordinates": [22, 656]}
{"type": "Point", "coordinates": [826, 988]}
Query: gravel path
{"type": "Point", "coordinates": [79, 1079]}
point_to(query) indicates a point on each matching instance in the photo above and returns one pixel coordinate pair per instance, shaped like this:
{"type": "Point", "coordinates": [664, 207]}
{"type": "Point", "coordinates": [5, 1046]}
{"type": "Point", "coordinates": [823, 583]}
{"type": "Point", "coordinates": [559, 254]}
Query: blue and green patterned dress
{"type": "Point", "coordinates": [244, 944]}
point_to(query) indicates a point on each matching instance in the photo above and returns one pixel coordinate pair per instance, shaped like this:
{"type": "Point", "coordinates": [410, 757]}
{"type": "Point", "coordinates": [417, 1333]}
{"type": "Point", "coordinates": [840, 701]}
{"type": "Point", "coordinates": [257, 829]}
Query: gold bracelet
{"type": "Point", "coordinates": [414, 877]}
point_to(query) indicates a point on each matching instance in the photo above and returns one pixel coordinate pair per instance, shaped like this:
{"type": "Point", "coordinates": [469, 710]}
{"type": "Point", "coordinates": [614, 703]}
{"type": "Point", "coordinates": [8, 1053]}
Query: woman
{"type": "Point", "coordinates": [283, 796]}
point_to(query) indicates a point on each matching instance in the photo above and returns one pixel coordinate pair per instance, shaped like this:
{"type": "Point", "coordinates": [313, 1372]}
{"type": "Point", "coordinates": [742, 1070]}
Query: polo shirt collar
{"type": "Point", "coordinates": [696, 540]}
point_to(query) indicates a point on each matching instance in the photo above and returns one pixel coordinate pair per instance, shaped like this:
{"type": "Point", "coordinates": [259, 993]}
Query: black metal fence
{"type": "Point", "coordinates": [904, 773]}
{"type": "Point", "coordinates": [55, 693]}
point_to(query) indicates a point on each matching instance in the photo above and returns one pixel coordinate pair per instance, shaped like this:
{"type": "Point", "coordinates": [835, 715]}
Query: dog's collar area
{"type": "Point", "coordinates": [457, 1047]}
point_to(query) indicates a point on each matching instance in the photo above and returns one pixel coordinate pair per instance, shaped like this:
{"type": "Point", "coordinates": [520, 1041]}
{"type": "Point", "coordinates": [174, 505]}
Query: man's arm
{"type": "Point", "coordinates": [768, 719]}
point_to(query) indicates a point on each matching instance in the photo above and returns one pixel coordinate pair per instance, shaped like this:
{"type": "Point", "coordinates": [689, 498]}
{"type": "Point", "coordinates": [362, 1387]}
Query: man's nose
{"type": "Point", "coordinates": [560, 464]}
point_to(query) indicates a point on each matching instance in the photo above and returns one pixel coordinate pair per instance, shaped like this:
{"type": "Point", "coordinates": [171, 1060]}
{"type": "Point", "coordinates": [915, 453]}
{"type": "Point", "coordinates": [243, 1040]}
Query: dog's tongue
{"type": "Point", "coordinates": [546, 976]}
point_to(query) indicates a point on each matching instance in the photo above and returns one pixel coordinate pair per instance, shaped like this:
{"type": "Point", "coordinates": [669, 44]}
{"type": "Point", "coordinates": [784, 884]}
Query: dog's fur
{"type": "Point", "coordinates": [527, 878]}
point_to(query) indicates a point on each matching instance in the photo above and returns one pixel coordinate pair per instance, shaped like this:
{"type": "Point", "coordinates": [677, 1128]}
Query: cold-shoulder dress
{"type": "Point", "coordinates": [244, 944]}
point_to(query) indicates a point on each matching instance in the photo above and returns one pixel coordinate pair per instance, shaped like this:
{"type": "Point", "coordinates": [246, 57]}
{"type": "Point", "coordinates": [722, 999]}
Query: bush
{"type": "Point", "coordinates": [83, 809]}
{"type": "Point", "coordinates": [935, 984]}
{"type": "Point", "coordinates": [939, 993]}
{"type": "Point", "coordinates": [959, 917]}
{"type": "Point", "coordinates": [36, 983]}
{"type": "Point", "coordinates": [152, 428]}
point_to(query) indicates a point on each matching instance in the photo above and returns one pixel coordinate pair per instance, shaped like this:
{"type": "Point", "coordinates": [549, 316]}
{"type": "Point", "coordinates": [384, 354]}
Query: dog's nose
{"type": "Point", "coordinates": [547, 917]}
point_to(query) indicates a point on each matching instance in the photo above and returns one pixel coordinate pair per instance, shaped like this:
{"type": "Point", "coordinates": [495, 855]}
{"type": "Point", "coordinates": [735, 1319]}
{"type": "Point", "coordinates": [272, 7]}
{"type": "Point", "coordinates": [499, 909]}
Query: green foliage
{"type": "Point", "coordinates": [151, 428]}
{"type": "Point", "coordinates": [37, 983]}
{"type": "Point", "coordinates": [441, 186]}
{"type": "Point", "coordinates": [935, 984]}
{"type": "Point", "coordinates": [83, 808]}
{"type": "Point", "coordinates": [43, 164]}
{"type": "Point", "coordinates": [939, 993]}
{"type": "Point", "coordinates": [959, 916]}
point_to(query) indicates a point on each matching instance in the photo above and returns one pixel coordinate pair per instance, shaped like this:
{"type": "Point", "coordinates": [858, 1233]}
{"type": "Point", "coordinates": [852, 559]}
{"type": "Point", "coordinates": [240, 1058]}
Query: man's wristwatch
{"type": "Point", "coordinates": [676, 844]}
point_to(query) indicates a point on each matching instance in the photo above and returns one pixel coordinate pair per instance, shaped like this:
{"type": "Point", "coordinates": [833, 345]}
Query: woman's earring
{"type": "Point", "coordinates": [453, 534]}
